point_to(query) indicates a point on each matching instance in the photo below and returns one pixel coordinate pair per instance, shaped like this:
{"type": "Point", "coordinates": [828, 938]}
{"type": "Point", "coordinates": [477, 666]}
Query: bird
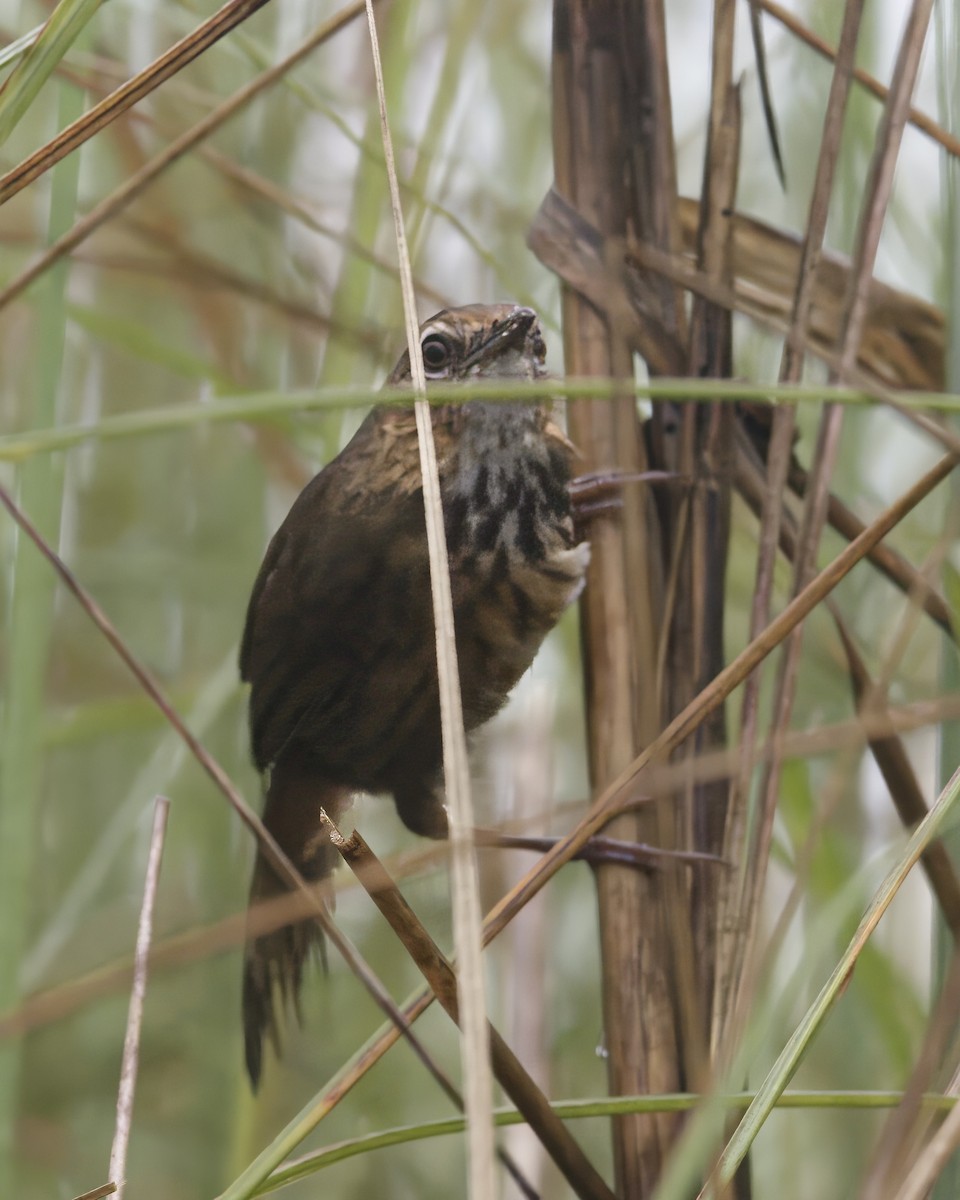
{"type": "Point", "coordinates": [339, 643]}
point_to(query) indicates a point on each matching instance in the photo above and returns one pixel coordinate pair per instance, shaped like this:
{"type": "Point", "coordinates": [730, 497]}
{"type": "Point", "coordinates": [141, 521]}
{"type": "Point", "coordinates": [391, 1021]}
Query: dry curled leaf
{"type": "Point", "coordinates": [903, 339]}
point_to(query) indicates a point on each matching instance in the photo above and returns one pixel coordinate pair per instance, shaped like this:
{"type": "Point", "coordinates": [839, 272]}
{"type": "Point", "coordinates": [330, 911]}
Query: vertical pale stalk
{"type": "Point", "coordinates": [948, 47]}
{"type": "Point", "coordinates": [117, 1169]}
{"type": "Point", "coordinates": [28, 638]}
{"type": "Point", "coordinates": [465, 882]}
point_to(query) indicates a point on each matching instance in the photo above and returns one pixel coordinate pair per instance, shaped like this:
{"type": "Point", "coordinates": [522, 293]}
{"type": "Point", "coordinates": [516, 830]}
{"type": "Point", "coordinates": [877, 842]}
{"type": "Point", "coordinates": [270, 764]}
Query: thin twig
{"type": "Point", "coordinates": [901, 780]}
{"type": "Point", "coordinates": [150, 171]}
{"type": "Point", "coordinates": [748, 480]}
{"type": "Point", "coordinates": [918, 118]}
{"type": "Point", "coordinates": [599, 850]}
{"type": "Point", "coordinates": [233, 13]}
{"type": "Point", "coordinates": [131, 1043]}
{"type": "Point", "coordinates": [438, 972]}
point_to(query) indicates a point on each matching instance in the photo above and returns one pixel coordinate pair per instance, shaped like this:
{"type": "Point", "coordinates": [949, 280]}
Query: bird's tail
{"type": "Point", "coordinates": [276, 949]}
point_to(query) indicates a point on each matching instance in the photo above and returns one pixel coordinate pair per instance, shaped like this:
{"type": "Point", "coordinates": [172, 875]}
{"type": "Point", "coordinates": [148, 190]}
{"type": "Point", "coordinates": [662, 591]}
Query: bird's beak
{"type": "Point", "coordinates": [510, 334]}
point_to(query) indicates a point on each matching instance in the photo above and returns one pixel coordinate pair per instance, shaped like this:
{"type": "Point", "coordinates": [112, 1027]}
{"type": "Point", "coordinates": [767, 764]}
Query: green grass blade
{"type": "Point", "coordinates": [783, 1069]}
{"type": "Point", "coordinates": [39, 62]}
{"type": "Point", "coordinates": [29, 630]}
{"type": "Point", "coordinates": [272, 406]}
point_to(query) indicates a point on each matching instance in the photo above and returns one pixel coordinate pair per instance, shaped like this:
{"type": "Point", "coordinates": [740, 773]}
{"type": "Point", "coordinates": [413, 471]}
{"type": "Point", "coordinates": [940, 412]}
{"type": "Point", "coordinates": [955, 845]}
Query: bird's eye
{"type": "Point", "coordinates": [436, 352]}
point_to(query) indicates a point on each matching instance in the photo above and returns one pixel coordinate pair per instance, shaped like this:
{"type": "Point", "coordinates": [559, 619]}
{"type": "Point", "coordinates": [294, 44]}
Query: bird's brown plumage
{"type": "Point", "coordinates": [339, 642]}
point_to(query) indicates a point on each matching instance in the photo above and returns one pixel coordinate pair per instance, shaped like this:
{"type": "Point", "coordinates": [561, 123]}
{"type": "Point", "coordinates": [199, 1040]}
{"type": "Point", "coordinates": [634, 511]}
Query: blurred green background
{"type": "Point", "coordinates": [265, 262]}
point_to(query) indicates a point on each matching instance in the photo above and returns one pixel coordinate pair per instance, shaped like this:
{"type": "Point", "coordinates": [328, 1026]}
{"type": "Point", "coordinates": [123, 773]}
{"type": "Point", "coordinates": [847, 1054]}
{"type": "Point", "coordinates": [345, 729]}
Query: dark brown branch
{"type": "Point", "coordinates": [748, 480]}
{"type": "Point", "coordinates": [898, 774]}
{"type": "Point", "coordinates": [509, 1072]}
{"type": "Point", "coordinates": [598, 850]}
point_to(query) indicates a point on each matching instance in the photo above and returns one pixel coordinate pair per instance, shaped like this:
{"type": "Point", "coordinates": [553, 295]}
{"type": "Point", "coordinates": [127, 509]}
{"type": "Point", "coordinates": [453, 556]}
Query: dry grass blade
{"type": "Point", "coordinates": [131, 1044]}
{"type": "Point", "coordinates": [151, 171]}
{"type": "Point", "coordinates": [699, 536]}
{"type": "Point", "coordinates": [98, 1193]}
{"type": "Point", "coordinates": [897, 569]}
{"type": "Point", "coordinates": [512, 1077]}
{"type": "Point", "coordinates": [465, 884]}
{"type": "Point", "coordinates": [879, 185]}
{"type": "Point", "coordinates": [58, 34]}
{"type": "Point", "coordinates": [233, 13]}
{"type": "Point", "coordinates": [749, 482]}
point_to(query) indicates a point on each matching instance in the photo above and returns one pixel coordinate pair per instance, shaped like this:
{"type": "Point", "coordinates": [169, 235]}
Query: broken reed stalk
{"type": "Point", "coordinates": [439, 974]}
{"type": "Point", "coordinates": [98, 1193]}
{"type": "Point", "coordinates": [597, 134]}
